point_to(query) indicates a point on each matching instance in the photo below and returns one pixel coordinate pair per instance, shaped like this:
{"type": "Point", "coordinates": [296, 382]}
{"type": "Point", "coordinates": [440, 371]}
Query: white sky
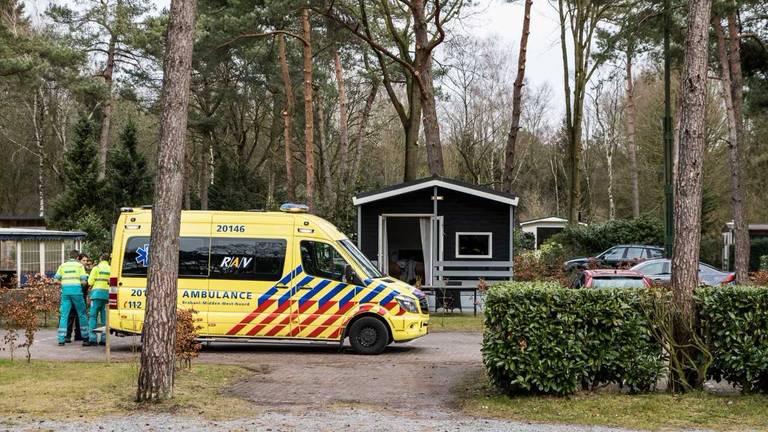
{"type": "Point", "coordinates": [498, 19]}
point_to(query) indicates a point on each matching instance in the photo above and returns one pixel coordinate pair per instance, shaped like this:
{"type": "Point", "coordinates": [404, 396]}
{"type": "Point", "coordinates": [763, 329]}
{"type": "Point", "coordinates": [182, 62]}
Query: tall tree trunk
{"type": "Point", "coordinates": [343, 118]}
{"type": "Point", "coordinates": [308, 111]}
{"type": "Point", "coordinates": [290, 180]}
{"type": "Point", "coordinates": [737, 149]}
{"type": "Point", "coordinates": [517, 97]}
{"type": "Point", "coordinates": [326, 158]}
{"type": "Point", "coordinates": [685, 251]}
{"type": "Point", "coordinates": [159, 333]}
{"type": "Point", "coordinates": [631, 137]}
{"type": "Point", "coordinates": [360, 137]}
{"type": "Point", "coordinates": [206, 162]}
{"type": "Point", "coordinates": [424, 80]}
{"type": "Point", "coordinates": [611, 201]}
{"type": "Point", "coordinates": [411, 163]}
{"type": "Point", "coordinates": [37, 118]}
{"type": "Point", "coordinates": [106, 113]}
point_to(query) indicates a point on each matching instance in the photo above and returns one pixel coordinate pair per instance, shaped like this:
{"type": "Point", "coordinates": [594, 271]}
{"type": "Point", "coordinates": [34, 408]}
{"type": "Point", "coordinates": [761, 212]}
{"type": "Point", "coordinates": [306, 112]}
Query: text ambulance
{"type": "Point", "coordinates": [270, 275]}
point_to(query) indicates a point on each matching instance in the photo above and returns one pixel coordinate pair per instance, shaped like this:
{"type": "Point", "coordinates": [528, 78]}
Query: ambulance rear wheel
{"type": "Point", "coordinates": [368, 336]}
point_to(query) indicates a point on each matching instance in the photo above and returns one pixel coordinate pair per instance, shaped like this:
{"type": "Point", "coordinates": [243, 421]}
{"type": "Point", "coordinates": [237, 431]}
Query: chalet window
{"type": "Point", "coordinates": [474, 244]}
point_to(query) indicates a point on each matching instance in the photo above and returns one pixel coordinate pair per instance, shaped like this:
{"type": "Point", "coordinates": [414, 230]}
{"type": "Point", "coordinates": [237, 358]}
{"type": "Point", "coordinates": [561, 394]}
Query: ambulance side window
{"type": "Point", "coordinates": [247, 259]}
{"type": "Point", "coordinates": [193, 256]}
{"type": "Point", "coordinates": [322, 260]}
{"type": "Point", "coordinates": [136, 256]}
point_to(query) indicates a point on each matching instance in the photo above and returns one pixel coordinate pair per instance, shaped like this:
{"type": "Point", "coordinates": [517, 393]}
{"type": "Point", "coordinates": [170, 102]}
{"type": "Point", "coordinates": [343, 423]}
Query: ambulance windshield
{"type": "Point", "coordinates": [361, 260]}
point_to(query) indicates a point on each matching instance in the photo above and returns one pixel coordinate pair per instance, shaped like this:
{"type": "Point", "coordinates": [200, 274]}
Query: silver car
{"type": "Point", "coordinates": [660, 271]}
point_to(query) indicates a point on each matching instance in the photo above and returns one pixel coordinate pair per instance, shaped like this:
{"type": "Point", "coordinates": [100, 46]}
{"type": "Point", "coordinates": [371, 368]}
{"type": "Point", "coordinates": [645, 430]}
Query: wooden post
{"type": "Point", "coordinates": [106, 330]}
{"type": "Point", "coordinates": [42, 258]}
{"type": "Point", "coordinates": [18, 264]}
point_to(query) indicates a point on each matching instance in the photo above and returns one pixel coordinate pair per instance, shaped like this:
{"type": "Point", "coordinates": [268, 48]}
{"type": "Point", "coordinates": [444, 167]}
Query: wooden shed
{"type": "Point", "coordinates": [26, 251]}
{"type": "Point", "coordinates": [443, 232]}
{"type": "Point", "coordinates": [544, 228]}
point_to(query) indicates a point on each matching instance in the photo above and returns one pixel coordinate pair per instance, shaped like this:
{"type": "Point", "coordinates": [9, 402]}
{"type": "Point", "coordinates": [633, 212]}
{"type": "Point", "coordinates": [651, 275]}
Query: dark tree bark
{"type": "Point", "coordinates": [631, 136]}
{"type": "Point", "coordinates": [309, 124]}
{"type": "Point", "coordinates": [290, 180]}
{"type": "Point", "coordinates": [106, 112]}
{"type": "Point", "coordinates": [159, 333]}
{"type": "Point", "coordinates": [685, 251]}
{"type": "Point", "coordinates": [360, 137]}
{"type": "Point", "coordinates": [423, 62]}
{"type": "Point", "coordinates": [517, 97]}
{"type": "Point", "coordinates": [343, 117]}
{"type": "Point", "coordinates": [737, 148]}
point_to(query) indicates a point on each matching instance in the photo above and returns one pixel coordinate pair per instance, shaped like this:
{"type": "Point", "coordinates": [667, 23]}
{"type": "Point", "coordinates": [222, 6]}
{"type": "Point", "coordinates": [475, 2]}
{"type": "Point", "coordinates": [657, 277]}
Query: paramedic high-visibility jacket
{"type": "Point", "coordinates": [99, 282]}
{"type": "Point", "coordinates": [72, 276]}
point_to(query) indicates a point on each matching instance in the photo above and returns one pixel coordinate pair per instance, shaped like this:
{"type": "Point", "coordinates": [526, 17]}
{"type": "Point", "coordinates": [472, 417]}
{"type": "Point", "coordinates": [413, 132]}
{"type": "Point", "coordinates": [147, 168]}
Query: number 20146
{"type": "Point", "coordinates": [230, 228]}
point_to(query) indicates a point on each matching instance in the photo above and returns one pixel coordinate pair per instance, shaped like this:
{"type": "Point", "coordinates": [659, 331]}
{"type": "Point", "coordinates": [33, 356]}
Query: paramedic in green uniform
{"type": "Point", "coordinates": [72, 276]}
{"type": "Point", "coordinates": [99, 282]}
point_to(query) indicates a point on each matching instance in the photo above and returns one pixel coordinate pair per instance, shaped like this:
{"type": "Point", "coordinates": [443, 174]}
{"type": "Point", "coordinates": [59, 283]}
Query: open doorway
{"type": "Point", "coordinates": [406, 247]}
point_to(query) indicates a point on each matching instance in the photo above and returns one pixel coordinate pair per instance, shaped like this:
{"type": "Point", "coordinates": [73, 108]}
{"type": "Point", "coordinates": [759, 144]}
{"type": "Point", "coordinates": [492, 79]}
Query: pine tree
{"type": "Point", "coordinates": [236, 187]}
{"type": "Point", "coordinates": [81, 205]}
{"type": "Point", "coordinates": [129, 182]}
{"type": "Point", "coordinates": [82, 192]}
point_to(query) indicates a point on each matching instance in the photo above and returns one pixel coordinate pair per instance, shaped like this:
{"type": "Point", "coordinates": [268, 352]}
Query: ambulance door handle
{"type": "Point", "coordinates": [281, 286]}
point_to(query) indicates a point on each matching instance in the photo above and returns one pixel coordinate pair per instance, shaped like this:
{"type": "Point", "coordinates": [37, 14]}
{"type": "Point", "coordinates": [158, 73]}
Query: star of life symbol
{"type": "Point", "coordinates": [142, 255]}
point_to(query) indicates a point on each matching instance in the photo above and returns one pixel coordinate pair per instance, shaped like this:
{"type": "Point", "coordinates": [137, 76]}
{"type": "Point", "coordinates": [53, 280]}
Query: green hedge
{"type": "Point", "coordinates": [735, 322]}
{"type": "Point", "coordinates": [541, 338]}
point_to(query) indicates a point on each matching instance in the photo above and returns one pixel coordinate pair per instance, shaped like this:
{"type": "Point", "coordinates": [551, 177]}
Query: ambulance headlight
{"type": "Point", "coordinates": [407, 303]}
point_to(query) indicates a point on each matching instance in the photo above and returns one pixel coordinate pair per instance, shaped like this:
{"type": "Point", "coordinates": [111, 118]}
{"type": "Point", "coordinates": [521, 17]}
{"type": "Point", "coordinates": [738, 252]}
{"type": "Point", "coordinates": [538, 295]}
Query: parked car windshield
{"type": "Point", "coordinates": [618, 282]}
{"type": "Point", "coordinates": [367, 266]}
{"type": "Point", "coordinates": [615, 253]}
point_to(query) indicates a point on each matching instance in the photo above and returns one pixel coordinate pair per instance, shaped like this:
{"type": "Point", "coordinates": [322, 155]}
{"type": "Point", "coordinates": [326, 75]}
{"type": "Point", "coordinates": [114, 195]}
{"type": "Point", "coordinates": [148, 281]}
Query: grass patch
{"type": "Point", "coordinates": [61, 390]}
{"type": "Point", "coordinates": [654, 411]}
{"type": "Point", "coordinates": [455, 322]}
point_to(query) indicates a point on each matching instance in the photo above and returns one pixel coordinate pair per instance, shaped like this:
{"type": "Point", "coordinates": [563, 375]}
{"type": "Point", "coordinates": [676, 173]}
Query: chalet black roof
{"type": "Point", "coordinates": [39, 234]}
{"type": "Point", "coordinates": [426, 182]}
{"type": "Point", "coordinates": [21, 217]}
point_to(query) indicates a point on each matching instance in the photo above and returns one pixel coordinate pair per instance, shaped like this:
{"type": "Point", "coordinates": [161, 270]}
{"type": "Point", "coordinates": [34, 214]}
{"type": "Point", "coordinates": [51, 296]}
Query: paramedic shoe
{"type": "Point", "coordinates": [102, 343]}
{"type": "Point", "coordinates": [87, 343]}
{"type": "Point", "coordinates": [61, 343]}
{"type": "Point", "coordinates": [68, 340]}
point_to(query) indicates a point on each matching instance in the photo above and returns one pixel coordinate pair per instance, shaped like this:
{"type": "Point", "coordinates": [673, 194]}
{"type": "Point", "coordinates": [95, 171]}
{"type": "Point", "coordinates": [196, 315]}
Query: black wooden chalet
{"type": "Point", "coordinates": [440, 231]}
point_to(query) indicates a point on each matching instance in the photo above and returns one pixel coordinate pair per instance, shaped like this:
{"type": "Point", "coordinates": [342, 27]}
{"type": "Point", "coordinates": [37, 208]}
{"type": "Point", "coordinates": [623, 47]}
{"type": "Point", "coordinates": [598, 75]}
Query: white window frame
{"type": "Point", "coordinates": [490, 244]}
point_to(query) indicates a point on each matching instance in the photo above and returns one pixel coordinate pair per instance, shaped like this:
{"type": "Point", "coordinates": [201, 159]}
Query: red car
{"type": "Point", "coordinates": [610, 278]}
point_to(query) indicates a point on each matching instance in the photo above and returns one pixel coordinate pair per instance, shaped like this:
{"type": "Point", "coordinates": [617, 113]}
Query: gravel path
{"type": "Point", "coordinates": [325, 420]}
{"type": "Point", "coordinates": [410, 387]}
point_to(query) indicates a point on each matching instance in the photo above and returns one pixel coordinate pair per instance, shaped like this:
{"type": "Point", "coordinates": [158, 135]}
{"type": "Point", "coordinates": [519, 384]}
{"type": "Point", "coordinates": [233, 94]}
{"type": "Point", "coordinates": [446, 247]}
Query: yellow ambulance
{"type": "Point", "coordinates": [267, 275]}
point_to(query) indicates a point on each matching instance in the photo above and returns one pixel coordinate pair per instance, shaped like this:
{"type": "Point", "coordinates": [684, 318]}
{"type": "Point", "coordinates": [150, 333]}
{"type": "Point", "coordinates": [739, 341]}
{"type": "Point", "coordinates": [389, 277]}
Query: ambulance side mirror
{"type": "Point", "coordinates": [350, 276]}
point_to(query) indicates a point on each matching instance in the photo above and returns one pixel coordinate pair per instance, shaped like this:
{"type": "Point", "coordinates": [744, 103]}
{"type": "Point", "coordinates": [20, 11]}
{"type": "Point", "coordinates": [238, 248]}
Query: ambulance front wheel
{"type": "Point", "coordinates": [368, 336]}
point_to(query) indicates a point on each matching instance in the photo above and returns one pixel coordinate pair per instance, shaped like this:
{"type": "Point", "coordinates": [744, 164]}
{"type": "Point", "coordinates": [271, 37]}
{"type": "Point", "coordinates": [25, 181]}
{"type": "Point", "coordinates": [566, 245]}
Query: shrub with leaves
{"type": "Point", "coordinates": [18, 316]}
{"type": "Point", "coordinates": [541, 338]}
{"type": "Point", "coordinates": [735, 322]}
{"type": "Point", "coordinates": [187, 347]}
{"type": "Point", "coordinates": [544, 264]}
{"type": "Point", "coordinates": [43, 295]}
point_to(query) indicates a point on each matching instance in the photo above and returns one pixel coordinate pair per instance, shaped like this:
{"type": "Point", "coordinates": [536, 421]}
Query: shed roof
{"type": "Point", "coordinates": [428, 182]}
{"type": "Point", "coordinates": [39, 234]}
{"type": "Point", "coordinates": [547, 220]}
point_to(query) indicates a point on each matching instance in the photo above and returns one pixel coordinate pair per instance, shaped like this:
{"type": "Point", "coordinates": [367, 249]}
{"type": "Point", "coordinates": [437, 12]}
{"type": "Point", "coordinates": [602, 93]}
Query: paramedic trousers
{"type": "Point", "coordinates": [69, 301]}
{"type": "Point", "coordinates": [98, 310]}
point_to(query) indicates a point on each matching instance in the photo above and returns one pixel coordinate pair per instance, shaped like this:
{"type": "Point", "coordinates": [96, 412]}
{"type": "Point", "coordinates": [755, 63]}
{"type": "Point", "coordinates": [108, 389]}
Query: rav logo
{"type": "Point", "coordinates": [235, 262]}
